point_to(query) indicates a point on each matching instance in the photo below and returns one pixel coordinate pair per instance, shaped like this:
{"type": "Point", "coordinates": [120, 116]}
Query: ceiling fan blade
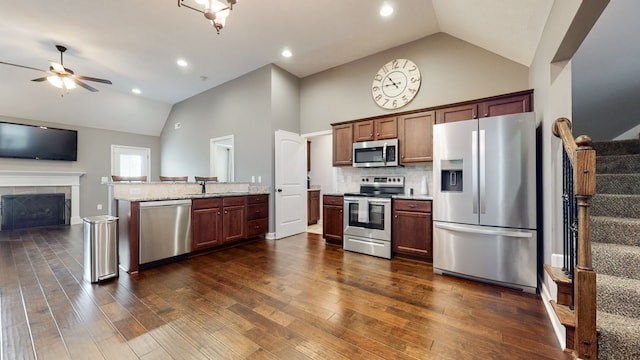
{"type": "Point", "coordinates": [40, 79]}
{"type": "Point", "coordinates": [22, 66]}
{"type": "Point", "coordinates": [80, 83]}
{"type": "Point", "coordinates": [89, 78]}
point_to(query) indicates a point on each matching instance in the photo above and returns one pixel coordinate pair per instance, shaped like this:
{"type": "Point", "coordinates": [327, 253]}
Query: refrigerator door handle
{"type": "Point", "coordinates": [474, 169]}
{"type": "Point", "coordinates": [515, 234]}
{"type": "Point", "coordinates": [483, 162]}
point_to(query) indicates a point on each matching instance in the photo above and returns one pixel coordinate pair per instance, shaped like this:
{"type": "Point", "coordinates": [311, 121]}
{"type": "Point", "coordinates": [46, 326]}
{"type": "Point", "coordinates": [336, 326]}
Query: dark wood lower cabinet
{"type": "Point", "coordinates": [332, 219]}
{"type": "Point", "coordinates": [224, 220]}
{"type": "Point", "coordinates": [234, 218]}
{"type": "Point", "coordinates": [313, 206]}
{"type": "Point", "coordinates": [206, 223]}
{"type": "Point", "coordinates": [412, 229]}
{"type": "Point", "coordinates": [257, 215]}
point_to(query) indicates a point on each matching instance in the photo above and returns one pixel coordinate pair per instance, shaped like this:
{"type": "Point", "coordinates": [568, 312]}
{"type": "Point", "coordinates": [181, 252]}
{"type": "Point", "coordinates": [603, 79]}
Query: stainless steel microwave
{"type": "Point", "coordinates": [379, 153]}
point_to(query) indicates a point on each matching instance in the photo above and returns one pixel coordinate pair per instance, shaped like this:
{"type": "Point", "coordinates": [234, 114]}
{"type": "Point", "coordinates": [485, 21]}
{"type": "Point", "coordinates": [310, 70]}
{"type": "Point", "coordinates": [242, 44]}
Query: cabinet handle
{"type": "Point", "coordinates": [340, 211]}
{"type": "Point", "coordinates": [257, 226]}
{"type": "Point", "coordinates": [396, 216]}
{"type": "Point", "coordinates": [370, 135]}
{"type": "Point", "coordinates": [257, 211]}
{"type": "Point", "coordinates": [377, 134]}
{"type": "Point", "coordinates": [218, 212]}
{"type": "Point", "coordinates": [226, 212]}
{"type": "Point", "coordinates": [412, 206]}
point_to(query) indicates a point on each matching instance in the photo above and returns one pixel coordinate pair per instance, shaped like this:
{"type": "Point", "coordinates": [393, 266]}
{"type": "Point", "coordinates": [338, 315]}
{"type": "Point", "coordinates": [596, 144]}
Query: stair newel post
{"type": "Point", "coordinates": [585, 277]}
{"type": "Point", "coordinates": [582, 187]}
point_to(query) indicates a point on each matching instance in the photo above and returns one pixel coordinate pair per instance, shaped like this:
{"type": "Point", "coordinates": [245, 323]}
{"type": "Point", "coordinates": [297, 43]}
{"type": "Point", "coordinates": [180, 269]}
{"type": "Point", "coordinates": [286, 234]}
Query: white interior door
{"type": "Point", "coordinates": [291, 184]}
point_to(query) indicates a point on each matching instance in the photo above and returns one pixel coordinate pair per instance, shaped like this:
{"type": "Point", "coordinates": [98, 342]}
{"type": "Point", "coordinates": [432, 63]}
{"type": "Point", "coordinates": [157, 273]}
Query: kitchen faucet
{"type": "Point", "coordinates": [204, 187]}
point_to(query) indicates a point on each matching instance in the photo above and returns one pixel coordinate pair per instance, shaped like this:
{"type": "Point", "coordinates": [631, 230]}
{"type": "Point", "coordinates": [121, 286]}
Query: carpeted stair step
{"type": "Point", "coordinates": [617, 164]}
{"type": "Point", "coordinates": [619, 337]}
{"type": "Point", "coordinates": [617, 295]}
{"type": "Point", "coordinates": [618, 147]}
{"type": "Point", "coordinates": [616, 260]}
{"type": "Point", "coordinates": [618, 184]}
{"type": "Point", "coordinates": [625, 206]}
{"type": "Point", "coordinates": [622, 231]}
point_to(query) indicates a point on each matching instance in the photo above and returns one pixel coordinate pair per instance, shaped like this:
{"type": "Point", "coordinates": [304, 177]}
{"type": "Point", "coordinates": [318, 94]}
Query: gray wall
{"type": "Point", "coordinates": [605, 71]}
{"type": "Point", "coordinates": [94, 158]}
{"type": "Point", "coordinates": [251, 108]}
{"type": "Point", "coordinates": [452, 70]}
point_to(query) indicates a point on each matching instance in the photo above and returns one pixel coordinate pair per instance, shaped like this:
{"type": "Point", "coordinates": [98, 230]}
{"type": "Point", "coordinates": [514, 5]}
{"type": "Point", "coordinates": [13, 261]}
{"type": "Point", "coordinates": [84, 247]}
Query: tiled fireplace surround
{"type": "Point", "coordinates": [44, 182]}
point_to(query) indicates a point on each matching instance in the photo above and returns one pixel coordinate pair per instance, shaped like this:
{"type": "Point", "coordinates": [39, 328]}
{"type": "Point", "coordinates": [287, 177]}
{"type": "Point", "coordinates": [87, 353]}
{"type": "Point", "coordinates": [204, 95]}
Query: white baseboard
{"type": "Point", "coordinates": [548, 295]}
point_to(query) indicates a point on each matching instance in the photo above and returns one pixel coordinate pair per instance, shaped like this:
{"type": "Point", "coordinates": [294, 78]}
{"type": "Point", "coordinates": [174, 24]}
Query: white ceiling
{"type": "Point", "coordinates": [135, 43]}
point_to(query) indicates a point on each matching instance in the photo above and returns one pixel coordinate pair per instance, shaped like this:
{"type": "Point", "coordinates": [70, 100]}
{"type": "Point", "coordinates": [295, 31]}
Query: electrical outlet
{"type": "Point", "coordinates": [104, 180]}
{"type": "Point", "coordinates": [99, 206]}
{"type": "Point", "coordinates": [259, 178]}
{"type": "Point", "coordinates": [177, 126]}
{"type": "Point", "coordinates": [253, 178]}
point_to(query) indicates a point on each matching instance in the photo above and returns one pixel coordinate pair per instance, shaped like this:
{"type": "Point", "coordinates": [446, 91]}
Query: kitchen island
{"type": "Point", "coordinates": [162, 222]}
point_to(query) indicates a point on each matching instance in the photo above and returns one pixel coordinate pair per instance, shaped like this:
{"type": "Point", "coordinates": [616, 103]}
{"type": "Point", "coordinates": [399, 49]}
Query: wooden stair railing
{"type": "Point", "coordinates": [581, 330]}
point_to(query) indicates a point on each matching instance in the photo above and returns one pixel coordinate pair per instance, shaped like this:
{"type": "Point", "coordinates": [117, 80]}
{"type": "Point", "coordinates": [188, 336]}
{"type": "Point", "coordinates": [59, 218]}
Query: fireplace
{"type": "Point", "coordinates": [32, 210]}
{"type": "Point", "coordinates": [29, 182]}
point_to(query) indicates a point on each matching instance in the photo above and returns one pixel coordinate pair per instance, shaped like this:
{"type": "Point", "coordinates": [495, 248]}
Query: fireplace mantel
{"type": "Point", "coordinates": [17, 178]}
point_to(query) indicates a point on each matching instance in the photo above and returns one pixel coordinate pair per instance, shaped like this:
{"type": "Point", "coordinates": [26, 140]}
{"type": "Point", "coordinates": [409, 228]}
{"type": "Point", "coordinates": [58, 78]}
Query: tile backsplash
{"type": "Point", "coordinates": [416, 177]}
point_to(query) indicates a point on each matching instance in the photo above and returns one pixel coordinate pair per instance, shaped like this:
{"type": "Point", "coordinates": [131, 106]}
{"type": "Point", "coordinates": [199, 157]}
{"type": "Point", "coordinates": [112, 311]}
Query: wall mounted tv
{"type": "Point", "coordinates": [37, 142]}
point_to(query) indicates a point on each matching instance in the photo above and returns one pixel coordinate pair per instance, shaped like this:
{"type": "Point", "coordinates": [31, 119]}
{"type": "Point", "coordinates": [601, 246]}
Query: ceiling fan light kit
{"type": "Point", "coordinates": [213, 10]}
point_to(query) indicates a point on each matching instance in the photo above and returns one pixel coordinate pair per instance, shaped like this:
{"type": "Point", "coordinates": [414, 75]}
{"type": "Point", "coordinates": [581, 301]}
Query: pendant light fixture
{"type": "Point", "coordinates": [216, 11]}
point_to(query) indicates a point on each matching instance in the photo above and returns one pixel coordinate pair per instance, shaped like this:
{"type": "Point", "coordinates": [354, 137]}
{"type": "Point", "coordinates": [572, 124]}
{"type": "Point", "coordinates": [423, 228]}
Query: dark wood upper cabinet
{"type": "Point", "coordinates": [502, 105]}
{"type": "Point", "coordinates": [414, 130]}
{"type": "Point", "coordinates": [457, 113]}
{"type": "Point", "coordinates": [377, 129]}
{"type": "Point", "coordinates": [505, 106]}
{"type": "Point", "coordinates": [342, 144]}
{"type": "Point", "coordinates": [416, 137]}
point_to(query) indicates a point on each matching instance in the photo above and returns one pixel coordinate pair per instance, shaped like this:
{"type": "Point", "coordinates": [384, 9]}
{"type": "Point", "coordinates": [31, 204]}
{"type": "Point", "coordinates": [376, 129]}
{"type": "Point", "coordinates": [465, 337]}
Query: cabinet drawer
{"type": "Point", "coordinates": [412, 205]}
{"type": "Point", "coordinates": [257, 199]}
{"type": "Point", "coordinates": [332, 200]}
{"type": "Point", "coordinates": [257, 227]}
{"type": "Point", "coordinates": [257, 211]}
{"type": "Point", "coordinates": [234, 201]}
{"type": "Point", "coordinates": [205, 203]}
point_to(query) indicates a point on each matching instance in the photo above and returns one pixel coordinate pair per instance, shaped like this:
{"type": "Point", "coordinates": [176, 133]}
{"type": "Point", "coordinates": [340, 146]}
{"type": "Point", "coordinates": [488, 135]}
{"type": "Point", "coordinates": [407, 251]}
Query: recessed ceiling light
{"type": "Point", "coordinates": [386, 10]}
{"type": "Point", "coordinates": [286, 53]}
{"type": "Point", "coordinates": [136, 91]}
{"type": "Point", "coordinates": [182, 62]}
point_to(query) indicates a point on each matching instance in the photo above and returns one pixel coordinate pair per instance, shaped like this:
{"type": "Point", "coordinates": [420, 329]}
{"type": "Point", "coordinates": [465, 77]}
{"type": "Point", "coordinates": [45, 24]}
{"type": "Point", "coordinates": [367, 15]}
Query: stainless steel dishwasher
{"type": "Point", "coordinates": [165, 229]}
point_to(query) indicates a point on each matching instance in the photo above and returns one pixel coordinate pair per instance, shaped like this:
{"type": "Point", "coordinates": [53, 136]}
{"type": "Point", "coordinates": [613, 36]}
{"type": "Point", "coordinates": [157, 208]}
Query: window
{"type": "Point", "coordinates": [130, 161]}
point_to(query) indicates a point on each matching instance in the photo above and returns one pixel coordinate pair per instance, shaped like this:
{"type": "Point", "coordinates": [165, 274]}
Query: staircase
{"type": "Point", "coordinates": [615, 236]}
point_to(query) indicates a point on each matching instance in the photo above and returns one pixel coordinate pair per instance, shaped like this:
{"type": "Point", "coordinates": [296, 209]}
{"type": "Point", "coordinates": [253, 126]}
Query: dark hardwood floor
{"type": "Point", "coordinates": [295, 298]}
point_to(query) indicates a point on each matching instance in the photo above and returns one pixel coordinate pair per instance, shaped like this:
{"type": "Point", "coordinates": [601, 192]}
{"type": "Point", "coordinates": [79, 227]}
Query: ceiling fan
{"type": "Point", "coordinates": [62, 77]}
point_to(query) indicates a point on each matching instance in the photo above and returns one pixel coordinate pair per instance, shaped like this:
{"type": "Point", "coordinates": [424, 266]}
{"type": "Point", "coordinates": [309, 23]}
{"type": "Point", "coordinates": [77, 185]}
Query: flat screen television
{"type": "Point", "coordinates": [37, 142]}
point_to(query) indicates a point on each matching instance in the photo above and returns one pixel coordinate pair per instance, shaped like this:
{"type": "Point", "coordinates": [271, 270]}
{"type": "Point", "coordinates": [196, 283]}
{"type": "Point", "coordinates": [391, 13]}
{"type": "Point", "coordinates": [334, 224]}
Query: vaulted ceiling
{"type": "Point", "coordinates": [135, 44]}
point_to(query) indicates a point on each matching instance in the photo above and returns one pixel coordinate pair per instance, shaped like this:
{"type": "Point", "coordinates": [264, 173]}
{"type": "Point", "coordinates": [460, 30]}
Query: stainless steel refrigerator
{"type": "Point", "coordinates": [484, 201]}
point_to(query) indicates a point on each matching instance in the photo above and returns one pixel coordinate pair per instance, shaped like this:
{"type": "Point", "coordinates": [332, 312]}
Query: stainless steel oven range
{"type": "Point", "coordinates": [367, 215]}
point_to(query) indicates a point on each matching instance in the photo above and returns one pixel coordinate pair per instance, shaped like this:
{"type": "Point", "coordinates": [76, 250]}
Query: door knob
{"type": "Point", "coordinates": [279, 190]}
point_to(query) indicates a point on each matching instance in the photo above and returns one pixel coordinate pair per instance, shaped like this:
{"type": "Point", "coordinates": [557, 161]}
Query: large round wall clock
{"type": "Point", "coordinates": [396, 84]}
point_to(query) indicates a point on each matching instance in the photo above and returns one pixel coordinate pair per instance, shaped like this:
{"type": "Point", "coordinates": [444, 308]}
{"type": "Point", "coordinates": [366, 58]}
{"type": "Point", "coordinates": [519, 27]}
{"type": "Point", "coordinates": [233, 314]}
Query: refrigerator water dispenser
{"type": "Point", "coordinates": [451, 175]}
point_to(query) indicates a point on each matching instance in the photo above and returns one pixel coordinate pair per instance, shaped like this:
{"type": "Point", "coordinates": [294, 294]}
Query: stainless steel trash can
{"type": "Point", "coordinates": [100, 247]}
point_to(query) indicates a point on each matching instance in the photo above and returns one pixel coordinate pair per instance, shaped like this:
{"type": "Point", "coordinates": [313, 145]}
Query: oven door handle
{"type": "Point", "coordinates": [369, 199]}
